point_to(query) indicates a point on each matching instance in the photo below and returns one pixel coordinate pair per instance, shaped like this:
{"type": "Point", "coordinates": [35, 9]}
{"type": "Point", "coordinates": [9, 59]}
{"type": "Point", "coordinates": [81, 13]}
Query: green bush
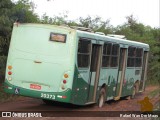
{"type": "Point", "coordinates": [3, 60]}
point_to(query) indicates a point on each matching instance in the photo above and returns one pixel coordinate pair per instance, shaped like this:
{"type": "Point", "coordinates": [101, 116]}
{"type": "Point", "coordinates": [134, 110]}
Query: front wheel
{"type": "Point", "coordinates": [102, 97]}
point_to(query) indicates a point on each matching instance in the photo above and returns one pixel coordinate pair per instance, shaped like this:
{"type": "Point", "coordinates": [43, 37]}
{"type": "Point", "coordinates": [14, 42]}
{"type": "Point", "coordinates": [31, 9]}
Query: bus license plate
{"type": "Point", "coordinates": [35, 86]}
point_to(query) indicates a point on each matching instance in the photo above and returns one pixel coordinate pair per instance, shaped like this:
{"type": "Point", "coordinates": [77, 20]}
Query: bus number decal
{"type": "Point", "coordinates": [46, 95]}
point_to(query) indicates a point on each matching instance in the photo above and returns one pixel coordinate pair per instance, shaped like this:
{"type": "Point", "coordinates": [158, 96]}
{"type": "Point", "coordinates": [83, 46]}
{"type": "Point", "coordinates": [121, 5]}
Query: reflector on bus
{"type": "Point", "coordinates": [57, 37]}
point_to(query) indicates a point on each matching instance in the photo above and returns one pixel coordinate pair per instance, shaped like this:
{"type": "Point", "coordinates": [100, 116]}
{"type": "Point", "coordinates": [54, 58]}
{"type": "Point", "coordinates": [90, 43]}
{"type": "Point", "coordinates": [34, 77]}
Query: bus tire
{"type": "Point", "coordinates": [102, 97]}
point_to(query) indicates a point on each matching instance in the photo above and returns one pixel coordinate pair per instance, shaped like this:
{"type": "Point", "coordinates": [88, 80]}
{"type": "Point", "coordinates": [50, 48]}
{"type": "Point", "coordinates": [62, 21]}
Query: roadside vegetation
{"type": "Point", "coordinates": [23, 12]}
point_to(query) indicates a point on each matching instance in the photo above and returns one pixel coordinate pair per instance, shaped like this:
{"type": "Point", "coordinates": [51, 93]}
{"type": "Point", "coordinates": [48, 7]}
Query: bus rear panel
{"type": "Point", "coordinates": [40, 62]}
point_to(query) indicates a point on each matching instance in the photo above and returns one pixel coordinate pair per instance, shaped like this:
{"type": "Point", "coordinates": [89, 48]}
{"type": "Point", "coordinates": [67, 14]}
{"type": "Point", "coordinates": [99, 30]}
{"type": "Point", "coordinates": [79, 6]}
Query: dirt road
{"type": "Point", "coordinates": [30, 104]}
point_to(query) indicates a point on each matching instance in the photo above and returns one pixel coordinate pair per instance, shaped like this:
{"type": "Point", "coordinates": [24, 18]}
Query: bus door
{"type": "Point", "coordinates": [144, 71]}
{"type": "Point", "coordinates": [94, 71]}
{"type": "Point", "coordinates": [121, 73]}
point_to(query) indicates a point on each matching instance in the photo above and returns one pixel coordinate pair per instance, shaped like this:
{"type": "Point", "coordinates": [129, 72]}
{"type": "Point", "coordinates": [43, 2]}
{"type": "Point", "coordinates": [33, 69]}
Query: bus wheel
{"type": "Point", "coordinates": [102, 97]}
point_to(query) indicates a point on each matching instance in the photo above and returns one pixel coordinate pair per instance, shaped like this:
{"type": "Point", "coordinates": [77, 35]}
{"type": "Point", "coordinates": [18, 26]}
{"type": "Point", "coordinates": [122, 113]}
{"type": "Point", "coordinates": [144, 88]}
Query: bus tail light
{"type": "Point", "coordinates": [9, 78]}
{"type": "Point", "coordinates": [64, 81]}
{"type": "Point", "coordinates": [66, 75]}
{"type": "Point", "coordinates": [62, 87]}
{"type": "Point", "coordinates": [9, 73]}
{"type": "Point", "coordinates": [9, 67]}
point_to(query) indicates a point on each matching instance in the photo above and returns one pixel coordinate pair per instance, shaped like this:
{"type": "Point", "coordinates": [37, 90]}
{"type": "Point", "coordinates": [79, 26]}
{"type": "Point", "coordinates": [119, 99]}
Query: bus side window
{"type": "Point", "coordinates": [84, 48]}
{"type": "Point", "coordinates": [115, 54]}
{"type": "Point", "coordinates": [131, 56]}
{"type": "Point", "coordinates": [138, 58]}
{"type": "Point", "coordinates": [107, 48]}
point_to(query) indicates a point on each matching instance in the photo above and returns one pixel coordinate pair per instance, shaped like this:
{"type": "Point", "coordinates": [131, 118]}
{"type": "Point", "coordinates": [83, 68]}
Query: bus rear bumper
{"type": "Point", "coordinates": [55, 96]}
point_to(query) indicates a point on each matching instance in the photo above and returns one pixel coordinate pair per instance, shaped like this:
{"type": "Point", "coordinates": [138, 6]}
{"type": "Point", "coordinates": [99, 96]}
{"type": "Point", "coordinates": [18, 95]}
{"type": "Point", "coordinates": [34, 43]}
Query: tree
{"type": "Point", "coordinates": [5, 25]}
{"type": "Point", "coordinates": [96, 23]}
{"type": "Point", "coordinates": [138, 32]}
{"type": "Point", "coordinates": [56, 20]}
{"type": "Point", "coordinates": [10, 12]}
{"type": "Point", "coordinates": [23, 11]}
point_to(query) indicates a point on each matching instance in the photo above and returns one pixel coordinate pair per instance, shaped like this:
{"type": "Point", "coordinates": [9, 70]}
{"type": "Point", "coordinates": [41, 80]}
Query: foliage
{"type": "Point", "coordinates": [11, 12]}
{"type": "Point", "coordinates": [3, 60]}
{"type": "Point", "coordinates": [154, 95]}
{"type": "Point", "coordinates": [56, 20]}
{"type": "Point", "coordinates": [5, 25]}
{"type": "Point", "coordinates": [23, 12]}
{"type": "Point", "coordinates": [97, 24]}
{"type": "Point", "coordinates": [139, 32]}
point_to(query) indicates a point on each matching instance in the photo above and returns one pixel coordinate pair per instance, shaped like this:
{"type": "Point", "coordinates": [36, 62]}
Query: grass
{"type": "Point", "coordinates": [153, 94]}
{"type": "Point", "coordinates": [152, 82]}
{"type": "Point", "coordinates": [4, 97]}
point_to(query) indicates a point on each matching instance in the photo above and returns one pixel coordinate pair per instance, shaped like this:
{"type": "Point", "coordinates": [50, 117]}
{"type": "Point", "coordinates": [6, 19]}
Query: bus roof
{"type": "Point", "coordinates": [111, 39]}
{"type": "Point", "coordinates": [91, 35]}
{"type": "Point", "coordinates": [44, 25]}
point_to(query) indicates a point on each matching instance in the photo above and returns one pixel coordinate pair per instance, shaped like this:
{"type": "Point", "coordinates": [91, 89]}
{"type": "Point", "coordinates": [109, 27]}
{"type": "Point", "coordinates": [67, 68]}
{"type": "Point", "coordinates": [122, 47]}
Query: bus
{"type": "Point", "coordinates": [73, 65]}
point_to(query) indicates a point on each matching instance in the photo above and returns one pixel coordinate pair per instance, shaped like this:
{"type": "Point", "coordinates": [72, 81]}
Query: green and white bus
{"type": "Point", "coordinates": [59, 63]}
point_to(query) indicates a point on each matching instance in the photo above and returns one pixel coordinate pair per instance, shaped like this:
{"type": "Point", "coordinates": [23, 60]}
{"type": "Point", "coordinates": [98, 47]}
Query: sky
{"type": "Point", "coordinates": [145, 11]}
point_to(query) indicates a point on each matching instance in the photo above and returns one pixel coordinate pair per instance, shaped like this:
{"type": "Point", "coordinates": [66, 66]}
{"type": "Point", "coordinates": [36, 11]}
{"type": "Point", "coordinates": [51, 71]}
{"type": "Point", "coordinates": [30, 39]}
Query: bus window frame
{"type": "Point", "coordinates": [110, 55]}
{"type": "Point", "coordinates": [140, 57]}
{"type": "Point", "coordinates": [135, 56]}
{"type": "Point", "coordinates": [131, 56]}
{"type": "Point", "coordinates": [117, 56]}
{"type": "Point", "coordinates": [89, 53]}
{"type": "Point", "coordinates": [106, 55]}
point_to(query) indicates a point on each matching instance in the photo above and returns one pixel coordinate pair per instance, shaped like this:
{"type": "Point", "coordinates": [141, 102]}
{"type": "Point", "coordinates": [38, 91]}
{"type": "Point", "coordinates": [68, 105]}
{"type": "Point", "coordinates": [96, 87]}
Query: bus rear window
{"type": "Point", "coordinates": [57, 37]}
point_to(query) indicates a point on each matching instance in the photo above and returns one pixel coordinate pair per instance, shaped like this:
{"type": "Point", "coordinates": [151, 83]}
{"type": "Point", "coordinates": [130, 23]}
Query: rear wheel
{"type": "Point", "coordinates": [102, 97]}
